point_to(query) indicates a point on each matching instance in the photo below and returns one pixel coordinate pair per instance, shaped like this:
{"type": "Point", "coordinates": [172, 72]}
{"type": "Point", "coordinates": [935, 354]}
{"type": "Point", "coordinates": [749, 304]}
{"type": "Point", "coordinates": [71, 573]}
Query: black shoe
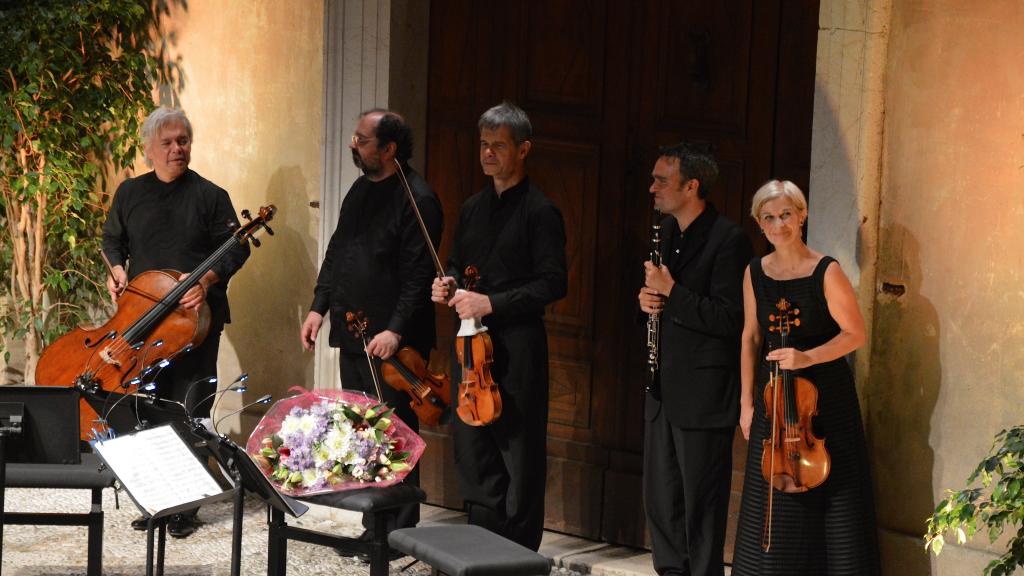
{"type": "Point", "coordinates": [392, 556]}
{"type": "Point", "coordinates": [182, 525]}
{"type": "Point", "coordinates": [140, 523]}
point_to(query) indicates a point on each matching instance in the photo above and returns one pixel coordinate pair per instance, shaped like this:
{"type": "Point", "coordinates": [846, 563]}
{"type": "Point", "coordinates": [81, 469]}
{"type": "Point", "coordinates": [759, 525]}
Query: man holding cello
{"type": "Point", "coordinates": [378, 267]}
{"type": "Point", "coordinates": [173, 219]}
{"type": "Point", "coordinates": [515, 237]}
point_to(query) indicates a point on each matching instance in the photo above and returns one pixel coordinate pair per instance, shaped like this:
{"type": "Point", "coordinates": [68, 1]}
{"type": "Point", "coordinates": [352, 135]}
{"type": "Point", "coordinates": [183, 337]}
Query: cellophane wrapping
{"type": "Point", "coordinates": [313, 450]}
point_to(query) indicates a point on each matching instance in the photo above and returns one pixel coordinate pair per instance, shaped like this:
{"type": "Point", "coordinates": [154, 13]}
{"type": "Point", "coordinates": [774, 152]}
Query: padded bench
{"type": "Point", "coordinates": [381, 504]}
{"type": "Point", "coordinates": [84, 476]}
{"type": "Point", "coordinates": [467, 550]}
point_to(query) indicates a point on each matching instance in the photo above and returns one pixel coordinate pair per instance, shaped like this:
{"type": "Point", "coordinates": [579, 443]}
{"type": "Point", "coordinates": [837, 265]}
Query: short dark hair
{"type": "Point", "coordinates": [392, 128]}
{"type": "Point", "coordinates": [694, 164]}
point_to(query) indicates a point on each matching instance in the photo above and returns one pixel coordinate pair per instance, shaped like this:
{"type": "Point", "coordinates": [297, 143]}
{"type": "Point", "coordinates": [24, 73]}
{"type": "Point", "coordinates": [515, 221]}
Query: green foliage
{"type": "Point", "coordinates": [76, 79]}
{"type": "Point", "coordinates": [996, 505]}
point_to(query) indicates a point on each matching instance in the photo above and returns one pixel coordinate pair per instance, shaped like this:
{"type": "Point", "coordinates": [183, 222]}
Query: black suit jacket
{"type": "Point", "coordinates": [699, 381]}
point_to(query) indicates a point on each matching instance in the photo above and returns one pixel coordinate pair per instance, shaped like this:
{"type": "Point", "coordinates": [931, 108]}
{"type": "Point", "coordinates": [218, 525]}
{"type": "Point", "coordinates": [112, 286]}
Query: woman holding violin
{"type": "Point", "coordinates": [514, 236]}
{"type": "Point", "coordinates": [799, 408]}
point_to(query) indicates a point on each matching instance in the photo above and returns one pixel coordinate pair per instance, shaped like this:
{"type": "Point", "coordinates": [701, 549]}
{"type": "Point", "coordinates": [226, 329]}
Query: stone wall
{"type": "Point", "coordinates": [916, 187]}
{"type": "Point", "coordinates": [253, 88]}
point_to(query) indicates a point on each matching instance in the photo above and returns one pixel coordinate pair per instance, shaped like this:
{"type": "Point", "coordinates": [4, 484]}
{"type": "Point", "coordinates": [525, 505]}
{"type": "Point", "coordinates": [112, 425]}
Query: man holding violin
{"type": "Point", "coordinates": [693, 406]}
{"type": "Point", "coordinates": [515, 237]}
{"type": "Point", "coordinates": [172, 218]}
{"type": "Point", "coordinates": [377, 264]}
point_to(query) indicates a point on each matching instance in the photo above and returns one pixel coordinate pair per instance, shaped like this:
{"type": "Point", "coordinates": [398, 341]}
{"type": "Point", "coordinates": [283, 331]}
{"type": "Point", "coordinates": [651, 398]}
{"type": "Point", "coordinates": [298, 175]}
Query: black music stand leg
{"type": "Point", "coordinates": [236, 530]}
{"type": "Point", "coordinates": [149, 547]}
{"type": "Point", "coordinates": [162, 543]}
{"type": "Point", "coordinates": [277, 550]}
{"type": "Point", "coordinates": [94, 563]}
{"type": "Point", "coordinates": [3, 489]}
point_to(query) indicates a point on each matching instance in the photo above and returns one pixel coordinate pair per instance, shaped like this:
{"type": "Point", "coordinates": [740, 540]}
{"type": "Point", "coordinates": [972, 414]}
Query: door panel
{"type": "Point", "coordinates": [605, 83]}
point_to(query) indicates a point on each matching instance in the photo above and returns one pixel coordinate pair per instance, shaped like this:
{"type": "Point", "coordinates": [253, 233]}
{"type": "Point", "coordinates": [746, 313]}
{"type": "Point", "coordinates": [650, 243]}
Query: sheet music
{"type": "Point", "coordinates": [158, 469]}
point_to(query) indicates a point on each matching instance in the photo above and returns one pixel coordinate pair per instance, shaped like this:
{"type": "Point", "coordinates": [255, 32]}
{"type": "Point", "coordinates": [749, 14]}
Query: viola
{"type": "Point", "coordinates": [793, 460]}
{"type": "Point", "coordinates": [479, 402]}
{"type": "Point", "coordinates": [479, 398]}
{"type": "Point", "coordinates": [148, 330]}
{"type": "Point", "coordinates": [429, 393]}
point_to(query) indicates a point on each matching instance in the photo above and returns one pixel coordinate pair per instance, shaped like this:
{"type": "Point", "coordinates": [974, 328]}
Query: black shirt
{"type": "Point", "coordinates": [517, 242]}
{"type": "Point", "coordinates": [156, 225]}
{"type": "Point", "coordinates": [377, 263]}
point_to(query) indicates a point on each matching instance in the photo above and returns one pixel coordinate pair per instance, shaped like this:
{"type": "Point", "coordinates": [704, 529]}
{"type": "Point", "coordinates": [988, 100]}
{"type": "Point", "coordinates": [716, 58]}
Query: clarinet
{"type": "Point", "coordinates": [654, 320]}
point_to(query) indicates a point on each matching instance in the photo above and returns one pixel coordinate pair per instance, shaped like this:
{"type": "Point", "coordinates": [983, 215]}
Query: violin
{"type": "Point", "coordinates": [148, 330]}
{"type": "Point", "coordinates": [793, 460]}
{"type": "Point", "coordinates": [430, 394]}
{"type": "Point", "coordinates": [479, 398]}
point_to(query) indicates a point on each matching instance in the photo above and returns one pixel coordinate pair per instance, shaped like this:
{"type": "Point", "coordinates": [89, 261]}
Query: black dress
{"type": "Point", "coordinates": [829, 529]}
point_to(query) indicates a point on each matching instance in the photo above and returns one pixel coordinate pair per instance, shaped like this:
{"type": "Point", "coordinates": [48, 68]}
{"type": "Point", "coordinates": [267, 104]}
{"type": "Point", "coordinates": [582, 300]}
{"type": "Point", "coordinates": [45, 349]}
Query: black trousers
{"type": "Point", "coordinates": [174, 381]}
{"type": "Point", "coordinates": [502, 467]}
{"type": "Point", "coordinates": [355, 375]}
{"type": "Point", "coordinates": [687, 481]}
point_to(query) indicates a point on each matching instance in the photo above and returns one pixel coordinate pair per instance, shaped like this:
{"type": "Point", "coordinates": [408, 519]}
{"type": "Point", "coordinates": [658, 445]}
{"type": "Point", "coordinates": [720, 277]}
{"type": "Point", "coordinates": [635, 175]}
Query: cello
{"type": "Point", "coordinates": [148, 330]}
{"type": "Point", "coordinates": [793, 460]}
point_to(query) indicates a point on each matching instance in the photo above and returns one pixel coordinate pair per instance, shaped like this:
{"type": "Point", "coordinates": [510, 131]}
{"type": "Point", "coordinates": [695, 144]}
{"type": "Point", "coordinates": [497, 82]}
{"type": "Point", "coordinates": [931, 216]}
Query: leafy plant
{"type": "Point", "coordinates": [76, 78]}
{"type": "Point", "coordinates": [996, 505]}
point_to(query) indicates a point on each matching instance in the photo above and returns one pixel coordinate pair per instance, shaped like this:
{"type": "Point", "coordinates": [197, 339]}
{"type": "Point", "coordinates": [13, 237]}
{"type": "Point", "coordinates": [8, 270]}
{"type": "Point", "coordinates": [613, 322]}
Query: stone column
{"type": "Point", "coordinates": [364, 68]}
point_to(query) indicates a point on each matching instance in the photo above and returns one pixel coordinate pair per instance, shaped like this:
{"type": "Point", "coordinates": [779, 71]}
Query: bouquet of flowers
{"type": "Point", "coordinates": [329, 440]}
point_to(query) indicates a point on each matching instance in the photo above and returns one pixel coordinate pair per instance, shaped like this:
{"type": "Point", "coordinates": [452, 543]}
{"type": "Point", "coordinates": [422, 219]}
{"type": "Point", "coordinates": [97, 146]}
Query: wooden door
{"type": "Point", "coordinates": [605, 83]}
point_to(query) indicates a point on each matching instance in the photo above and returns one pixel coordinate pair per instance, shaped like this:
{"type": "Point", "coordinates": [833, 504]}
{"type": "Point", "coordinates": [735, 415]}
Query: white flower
{"type": "Point", "coordinates": [307, 424]}
{"type": "Point", "coordinates": [289, 426]}
{"type": "Point", "coordinates": [309, 477]}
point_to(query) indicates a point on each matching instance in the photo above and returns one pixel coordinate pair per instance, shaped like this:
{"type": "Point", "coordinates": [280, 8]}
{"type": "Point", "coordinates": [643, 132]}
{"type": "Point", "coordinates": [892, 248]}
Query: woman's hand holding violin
{"type": "Point", "coordinates": [790, 358]}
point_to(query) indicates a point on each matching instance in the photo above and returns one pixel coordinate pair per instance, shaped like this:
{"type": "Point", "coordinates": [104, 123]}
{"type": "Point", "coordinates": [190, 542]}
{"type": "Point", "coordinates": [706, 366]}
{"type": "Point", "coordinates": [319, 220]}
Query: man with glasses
{"type": "Point", "coordinates": [377, 263]}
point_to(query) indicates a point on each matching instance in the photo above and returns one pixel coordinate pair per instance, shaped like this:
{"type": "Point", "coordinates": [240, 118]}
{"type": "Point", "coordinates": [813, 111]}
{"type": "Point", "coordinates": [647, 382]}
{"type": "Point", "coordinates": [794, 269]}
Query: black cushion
{"type": "Point", "coordinates": [467, 550]}
{"type": "Point", "coordinates": [82, 476]}
{"type": "Point", "coordinates": [370, 499]}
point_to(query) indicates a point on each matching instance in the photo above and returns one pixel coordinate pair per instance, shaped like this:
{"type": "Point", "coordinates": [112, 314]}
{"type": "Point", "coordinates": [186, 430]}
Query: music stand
{"type": "Point", "coordinates": [45, 418]}
{"type": "Point", "coordinates": [162, 476]}
{"type": "Point", "coordinates": [245, 475]}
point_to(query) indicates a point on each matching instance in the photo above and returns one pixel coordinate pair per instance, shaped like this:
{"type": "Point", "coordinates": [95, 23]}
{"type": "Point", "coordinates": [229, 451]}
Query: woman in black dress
{"type": "Point", "coordinates": [829, 529]}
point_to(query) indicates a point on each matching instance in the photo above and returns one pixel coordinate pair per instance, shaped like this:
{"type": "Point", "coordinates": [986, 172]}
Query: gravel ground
{"type": "Point", "coordinates": [60, 550]}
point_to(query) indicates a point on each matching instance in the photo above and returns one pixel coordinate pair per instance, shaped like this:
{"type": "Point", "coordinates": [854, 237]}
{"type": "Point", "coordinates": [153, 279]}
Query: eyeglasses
{"type": "Point", "coordinates": [361, 140]}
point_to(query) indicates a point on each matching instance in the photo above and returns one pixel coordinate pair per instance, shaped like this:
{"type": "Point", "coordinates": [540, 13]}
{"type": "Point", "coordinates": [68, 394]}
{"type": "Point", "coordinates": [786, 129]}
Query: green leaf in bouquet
{"type": "Point", "coordinates": [399, 466]}
{"type": "Point", "coordinates": [352, 415]}
{"type": "Point", "coordinates": [379, 435]}
{"type": "Point", "coordinates": [400, 456]}
{"type": "Point", "coordinates": [383, 424]}
{"type": "Point", "coordinates": [269, 453]}
{"type": "Point", "coordinates": [277, 440]}
{"type": "Point", "coordinates": [295, 478]}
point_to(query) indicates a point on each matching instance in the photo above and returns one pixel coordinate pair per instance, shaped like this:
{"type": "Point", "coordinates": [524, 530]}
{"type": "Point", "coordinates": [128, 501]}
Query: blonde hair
{"type": "Point", "coordinates": [773, 190]}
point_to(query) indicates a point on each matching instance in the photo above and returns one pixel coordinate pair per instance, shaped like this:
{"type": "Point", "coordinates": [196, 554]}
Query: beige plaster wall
{"type": "Point", "coordinates": [253, 88]}
{"type": "Point", "coordinates": [947, 360]}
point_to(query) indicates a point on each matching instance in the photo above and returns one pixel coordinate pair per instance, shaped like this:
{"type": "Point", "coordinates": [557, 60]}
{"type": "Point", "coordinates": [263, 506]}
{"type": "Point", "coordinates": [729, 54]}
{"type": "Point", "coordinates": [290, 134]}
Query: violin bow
{"type": "Point", "coordinates": [419, 218]}
{"type": "Point", "coordinates": [357, 324]}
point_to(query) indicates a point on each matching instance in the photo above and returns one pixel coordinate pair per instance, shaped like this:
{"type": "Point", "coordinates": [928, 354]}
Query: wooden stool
{"type": "Point", "coordinates": [467, 550]}
{"type": "Point", "coordinates": [381, 504]}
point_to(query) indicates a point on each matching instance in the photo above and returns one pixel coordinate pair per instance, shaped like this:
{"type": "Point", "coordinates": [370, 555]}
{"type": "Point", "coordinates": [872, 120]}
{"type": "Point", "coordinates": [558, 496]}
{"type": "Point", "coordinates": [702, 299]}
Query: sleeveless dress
{"type": "Point", "coordinates": [828, 530]}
